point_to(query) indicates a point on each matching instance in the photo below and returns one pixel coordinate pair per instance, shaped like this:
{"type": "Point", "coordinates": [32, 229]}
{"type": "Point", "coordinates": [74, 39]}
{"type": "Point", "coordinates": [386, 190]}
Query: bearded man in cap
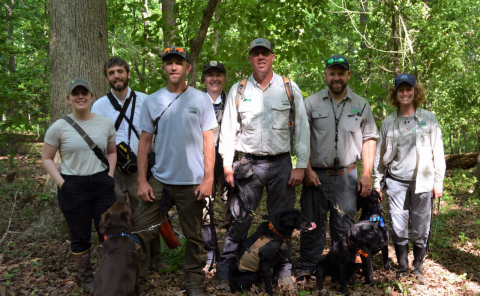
{"type": "Point", "coordinates": [261, 115]}
{"type": "Point", "coordinates": [342, 131]}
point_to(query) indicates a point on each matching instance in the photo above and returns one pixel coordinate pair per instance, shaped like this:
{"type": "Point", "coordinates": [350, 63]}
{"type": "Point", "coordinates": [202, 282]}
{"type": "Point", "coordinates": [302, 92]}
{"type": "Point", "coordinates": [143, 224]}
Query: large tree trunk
{"type": "Point", "coordinates": [462, 161]}
{"type": "Point", "coordinates": [78, 49]}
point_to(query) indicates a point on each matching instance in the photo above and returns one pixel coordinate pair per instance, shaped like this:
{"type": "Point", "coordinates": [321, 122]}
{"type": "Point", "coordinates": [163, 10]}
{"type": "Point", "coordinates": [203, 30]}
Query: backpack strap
{"type": "Point", "coordinates": [291, 119]}
{"type": "Point", "coordinates": [240, 91]}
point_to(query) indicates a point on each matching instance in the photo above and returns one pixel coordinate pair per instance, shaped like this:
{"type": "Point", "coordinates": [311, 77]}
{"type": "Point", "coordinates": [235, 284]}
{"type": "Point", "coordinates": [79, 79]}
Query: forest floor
{"type": "Point", "coordinates": [39, 265]}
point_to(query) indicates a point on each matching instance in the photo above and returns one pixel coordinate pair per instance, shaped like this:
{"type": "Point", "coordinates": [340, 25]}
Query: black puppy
{"type": "Point", "coordinates": [372, 210]}
{"type": "Point", "coordinates": [274, 236]}
{"type": "Point", "coordinates": [339, 263]}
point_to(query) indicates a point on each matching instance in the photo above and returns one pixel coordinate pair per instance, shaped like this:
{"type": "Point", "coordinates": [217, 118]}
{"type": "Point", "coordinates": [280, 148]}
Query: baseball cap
{"type": "Point", "coordinates": [76, 82]}
{"type": "Point", "coordinates": [404, 78]}
{"type": "Point", "coordinates": [175, 50]}
{"type": "Point", "coordinates": [261, 42]}
{"type": "Point", "coordinates": [214, 64]}
{"type": "Point", "coordinates": [337, 59]}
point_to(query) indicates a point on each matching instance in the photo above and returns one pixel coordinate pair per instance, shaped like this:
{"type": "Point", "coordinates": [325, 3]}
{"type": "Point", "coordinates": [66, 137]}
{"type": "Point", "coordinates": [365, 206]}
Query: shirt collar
{"type": "Point", "coordinates": [128, 95]}
{"type": "Point", "coordinates": [252, 79]}
{"type": "Point", "coordinates": [219, 99]}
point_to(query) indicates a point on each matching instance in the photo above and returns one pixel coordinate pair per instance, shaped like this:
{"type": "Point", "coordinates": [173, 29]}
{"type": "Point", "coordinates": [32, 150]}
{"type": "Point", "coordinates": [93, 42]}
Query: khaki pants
{"type": "Point", "coordinates": [148, 214]}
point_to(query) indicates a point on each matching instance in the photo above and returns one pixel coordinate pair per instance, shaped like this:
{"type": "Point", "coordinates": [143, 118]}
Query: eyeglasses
{"type": "Point", "coordinates": [337, 60]}
{"type": "Point", "coordinates": [176, 49]}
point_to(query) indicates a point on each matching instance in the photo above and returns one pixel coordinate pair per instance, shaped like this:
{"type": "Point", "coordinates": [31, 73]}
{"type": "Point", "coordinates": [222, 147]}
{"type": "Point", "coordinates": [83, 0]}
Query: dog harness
{"type": "Point", "coordinates": [250, 261]}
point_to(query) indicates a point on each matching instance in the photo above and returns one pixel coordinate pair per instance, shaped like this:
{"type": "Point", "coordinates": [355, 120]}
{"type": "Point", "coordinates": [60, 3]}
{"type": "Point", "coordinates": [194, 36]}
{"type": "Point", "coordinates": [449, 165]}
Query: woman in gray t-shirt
{"type": "Point", "coordinates": [85, 184]}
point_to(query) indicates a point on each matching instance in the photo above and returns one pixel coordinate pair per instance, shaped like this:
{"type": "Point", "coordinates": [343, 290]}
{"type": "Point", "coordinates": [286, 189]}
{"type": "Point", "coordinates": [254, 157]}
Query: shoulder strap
{"type": "Point", "coordinates": [155, 123]}
{"type": "Point", "coordinates": [98, 152]}
{"type": "Point", "coordinates": [291, 119]}
{"type": "Point", "coordinates": [240, 90]}
{"type": "Point", "coordinates": [123, 111]}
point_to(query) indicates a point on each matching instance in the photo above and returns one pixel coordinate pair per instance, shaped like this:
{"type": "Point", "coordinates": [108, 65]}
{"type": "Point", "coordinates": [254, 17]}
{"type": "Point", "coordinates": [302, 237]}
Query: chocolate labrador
{"type": "Point", "coordinates": [119, 269]}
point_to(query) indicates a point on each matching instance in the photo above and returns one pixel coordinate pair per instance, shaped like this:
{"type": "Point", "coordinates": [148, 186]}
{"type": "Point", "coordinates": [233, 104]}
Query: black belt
{"type": "Point", "coordinates": [266, 158]}
{"type": "Point", "coordinates": [331, 171]}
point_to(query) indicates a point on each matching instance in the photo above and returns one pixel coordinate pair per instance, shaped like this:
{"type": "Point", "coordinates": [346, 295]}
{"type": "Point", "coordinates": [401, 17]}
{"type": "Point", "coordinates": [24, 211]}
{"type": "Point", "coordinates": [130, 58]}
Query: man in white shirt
{"type": "Point", "coordinates": [117, 73]}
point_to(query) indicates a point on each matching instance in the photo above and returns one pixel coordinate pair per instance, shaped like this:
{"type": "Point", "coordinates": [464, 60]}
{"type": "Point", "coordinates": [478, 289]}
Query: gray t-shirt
{"type": "Point", "coordinates": [77, 157]}
{"type": "Point", "coordinates": [404, 165]}
{"type": "Point", "coordinates": [179, 144]}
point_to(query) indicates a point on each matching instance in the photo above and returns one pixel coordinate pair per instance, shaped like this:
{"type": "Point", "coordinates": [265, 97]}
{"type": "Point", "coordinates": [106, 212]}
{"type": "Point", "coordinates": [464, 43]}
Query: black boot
{"type": "Point", "coordinates": [402, 259]}
{"type": "Point", "coordinates": [418, 257]}
{"type": "Point", "coordinates": [85, 271]}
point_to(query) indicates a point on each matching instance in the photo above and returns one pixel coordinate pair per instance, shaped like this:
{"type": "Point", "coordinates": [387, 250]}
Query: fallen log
{"type": "Point", "coordinates": [462, 161]}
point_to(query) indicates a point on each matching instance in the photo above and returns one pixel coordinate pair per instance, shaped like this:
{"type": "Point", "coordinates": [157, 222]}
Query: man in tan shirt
{"type": "Point", "coordinates": [258, 127]}
{"type": "Point", "coordinates": [342, 131]}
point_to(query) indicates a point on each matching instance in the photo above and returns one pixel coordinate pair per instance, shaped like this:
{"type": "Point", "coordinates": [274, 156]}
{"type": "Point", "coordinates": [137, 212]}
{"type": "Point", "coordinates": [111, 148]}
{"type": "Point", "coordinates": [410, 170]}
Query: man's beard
{"type": "Point", "coordinates": [337, 92]}
{"type": "Point", "coordinates": [176, 81]}
{"type": "Point", "coordinates": [119, 88]}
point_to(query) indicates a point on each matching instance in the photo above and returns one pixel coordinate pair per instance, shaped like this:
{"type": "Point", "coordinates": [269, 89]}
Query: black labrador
{"type": "Point", "coordinates": [340, 263]}
{"type": "Point", "coordinates": [275, 235]}
{"type": "Point", "coordinates": [119, 269]}
{"type": "Point", "coordinates": [372, 211]}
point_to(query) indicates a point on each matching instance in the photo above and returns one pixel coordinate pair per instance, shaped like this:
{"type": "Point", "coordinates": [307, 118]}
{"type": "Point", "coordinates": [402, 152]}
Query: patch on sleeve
{"type": "Point", "coordinates": [193, 110]}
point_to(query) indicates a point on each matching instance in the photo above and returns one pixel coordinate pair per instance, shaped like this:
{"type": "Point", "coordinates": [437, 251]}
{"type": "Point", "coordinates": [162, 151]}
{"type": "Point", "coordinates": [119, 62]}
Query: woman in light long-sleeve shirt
{"type": "Point", "coordinates": [411, 160]}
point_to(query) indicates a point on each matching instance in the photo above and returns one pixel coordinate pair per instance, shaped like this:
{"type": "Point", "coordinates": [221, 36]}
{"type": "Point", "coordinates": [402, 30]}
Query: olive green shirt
{"type": "Point", "coordinates": [259, 124]}
{"type": "Point", "coordinates": [354, 127]}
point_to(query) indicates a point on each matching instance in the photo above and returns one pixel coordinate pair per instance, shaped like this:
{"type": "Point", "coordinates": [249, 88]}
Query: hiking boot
{"type": "Point", "coordinates": [287, 283]}
{"type": "Point", "coordinates": [195, 291]}
{"type": "Point", "coordinates": [418, 257]}
{"type": "Point", "coordinates": [223, 285]}
{"type": "Point", "coordinates": [84, 270]}
{"type": "Point", "coordinates": [402, 259]}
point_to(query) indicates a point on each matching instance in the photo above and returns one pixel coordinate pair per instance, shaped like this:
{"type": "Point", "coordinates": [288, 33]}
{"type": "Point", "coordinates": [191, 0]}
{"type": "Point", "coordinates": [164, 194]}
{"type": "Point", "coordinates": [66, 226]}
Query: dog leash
{"type": "Point", "coordinates": [164, 221]}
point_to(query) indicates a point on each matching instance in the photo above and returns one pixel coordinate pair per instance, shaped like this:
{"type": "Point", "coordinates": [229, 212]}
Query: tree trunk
{"type": "Point", "coordinates": [197, 43]}
{"type": "Point", "coordinates": [170, 22]}
{"type": "Point", "coordinates": [477, 186]}
{"type": "Point", "coordinates": [395, 40]}
{"type": "Point", "coordinates": [462, 161]}
{"type": "Point", "coordinates": [78, 49]}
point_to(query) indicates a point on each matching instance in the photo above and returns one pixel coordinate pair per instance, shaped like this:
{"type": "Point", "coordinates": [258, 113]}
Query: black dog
{"type": "Point", "coordinates": [339, 263]}
{"type": "Point", "coordinates": [275, 235]}
{"type": "Point", "coordinates": [119, 269]}
{"type": "Point", "coordinates": [372, 211]}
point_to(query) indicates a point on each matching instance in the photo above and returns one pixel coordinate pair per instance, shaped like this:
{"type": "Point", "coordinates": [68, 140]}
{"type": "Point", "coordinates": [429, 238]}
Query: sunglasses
{"type": "Point", "coordinates": [176, 49]}
{"type": "Point", "coordinates": [337, 60]}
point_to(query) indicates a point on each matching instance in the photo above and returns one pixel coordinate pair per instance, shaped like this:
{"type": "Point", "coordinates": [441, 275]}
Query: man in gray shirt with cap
{"type": "Point", "coordinates": [342, 131]}
{"type": "Point", "coordinates": [261, 118]}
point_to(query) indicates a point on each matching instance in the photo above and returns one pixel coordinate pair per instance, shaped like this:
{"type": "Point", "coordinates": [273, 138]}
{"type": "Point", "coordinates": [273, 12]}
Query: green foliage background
{"type": "Point", "coordinates": [442, 47]}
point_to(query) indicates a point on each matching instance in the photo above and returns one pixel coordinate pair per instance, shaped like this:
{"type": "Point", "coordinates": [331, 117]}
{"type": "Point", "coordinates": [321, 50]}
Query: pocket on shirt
{"type": "Point", "coordinates": [246, 116]}
{"type": "Point", "coordinates": [425, 139]}
{"type": "Point", "coordinates": [353, 123]}
{"type": "Point", "coordinates": [319, 120]}
{"type": "Point", "coordinates": [280, 115]}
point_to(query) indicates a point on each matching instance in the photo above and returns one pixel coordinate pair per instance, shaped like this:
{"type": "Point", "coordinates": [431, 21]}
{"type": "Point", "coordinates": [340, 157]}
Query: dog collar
{"type": "Point", "coordinates": [277, 233]}
{"type": "Point", "coordinates": [375, 218]}
{"type": "Point", "coordinates": [131, 236]}
{"type": "Point", "coordinates": [359, 251]}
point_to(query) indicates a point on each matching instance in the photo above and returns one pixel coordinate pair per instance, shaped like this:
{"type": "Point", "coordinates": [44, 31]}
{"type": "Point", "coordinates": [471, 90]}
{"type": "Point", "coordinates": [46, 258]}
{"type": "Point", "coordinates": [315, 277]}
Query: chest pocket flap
{"type": "Point", "coordinates": [320, 119]}
{"type": "Point", "coordinates": [280, 114]}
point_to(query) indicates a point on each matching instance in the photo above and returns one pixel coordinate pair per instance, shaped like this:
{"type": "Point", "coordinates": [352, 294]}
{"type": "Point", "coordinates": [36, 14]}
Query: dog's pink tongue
{"type": "Point", "coordinates": [313, 226]}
